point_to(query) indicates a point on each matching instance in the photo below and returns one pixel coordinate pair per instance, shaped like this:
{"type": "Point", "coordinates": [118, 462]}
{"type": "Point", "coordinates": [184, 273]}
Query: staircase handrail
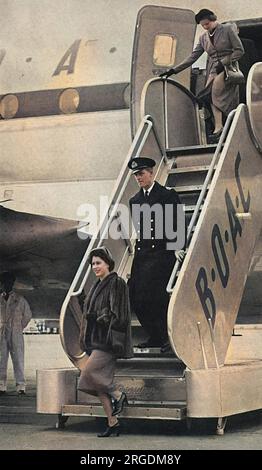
{"type": "Point", "coordinates": [146, 125]}
{"type": "Point", "coordinates": [181, 87]}
{"type": "Point", "coordinates": [170, 286]}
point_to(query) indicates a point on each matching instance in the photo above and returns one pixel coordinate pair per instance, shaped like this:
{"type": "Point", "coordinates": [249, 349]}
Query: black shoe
{"type": "Point", "coordinates": [119, 404]}
{"type": "Point", "coordinates": [2, 392]}
{"type": "Point", "coordinates": [214, 138]}
{"type": "Point", "coordinates": [21, 392]}
{"type": "Point", "coordinates": [110, 431]}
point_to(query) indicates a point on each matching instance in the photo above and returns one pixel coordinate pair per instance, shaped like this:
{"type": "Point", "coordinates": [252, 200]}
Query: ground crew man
{"type": "Point", "coordinates": [15, 314]}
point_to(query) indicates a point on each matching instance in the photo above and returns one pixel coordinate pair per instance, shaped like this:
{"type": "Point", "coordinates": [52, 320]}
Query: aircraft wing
{"type": "Point", "coordinates": [44, 253]}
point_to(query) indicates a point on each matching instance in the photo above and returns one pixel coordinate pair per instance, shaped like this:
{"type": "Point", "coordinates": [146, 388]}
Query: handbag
{"type": "Point", "coordinates": [116, 340]}
{"type": "Point", "coordinates": [233, 73]}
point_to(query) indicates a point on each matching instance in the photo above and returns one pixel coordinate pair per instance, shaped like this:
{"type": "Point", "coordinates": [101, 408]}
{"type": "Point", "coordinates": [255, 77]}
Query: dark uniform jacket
{"type": "Point", "coordinates": [107, 318]}
{"type": "Point", "coordinates": [153, 263]}
{"type": "Point", "coordinates": [152, 225]}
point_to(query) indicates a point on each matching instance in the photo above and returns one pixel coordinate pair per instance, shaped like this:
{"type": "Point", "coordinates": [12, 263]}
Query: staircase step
{"type": "Point", "coordinates": [147, 379]}
{"type": "Point", "coordinates": [153, 353]}
{"type": "Point", "coordinates": [194, 150]}
{"type": "Point", "coordinates": [154, 374]}
{"type": "Point", "coordinates": [143, 360]}
{"type": "Point", "coordinates": [191, 208]}
{"type": "Point", "coordinates": [187, 161]}
{"type": "Point", "coordinates": [169, 410]}
{"type": "Point", "coordinates": [189, 189]}
{"type": "Point", "coordinates": [188, 198]}
{"type": "Point", "coordinates": [189, 169]}
{"type": "Point", "coordinates": [181, 179]}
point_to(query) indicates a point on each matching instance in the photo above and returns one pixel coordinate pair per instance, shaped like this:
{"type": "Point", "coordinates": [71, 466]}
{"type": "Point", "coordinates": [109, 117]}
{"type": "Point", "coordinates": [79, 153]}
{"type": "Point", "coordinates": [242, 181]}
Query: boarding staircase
{"type": "Point", "coordinates": [220, 187]}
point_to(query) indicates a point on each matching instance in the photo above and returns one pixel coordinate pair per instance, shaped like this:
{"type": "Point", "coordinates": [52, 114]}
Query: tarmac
{"type": "Point", "coordinates": [21, 428]}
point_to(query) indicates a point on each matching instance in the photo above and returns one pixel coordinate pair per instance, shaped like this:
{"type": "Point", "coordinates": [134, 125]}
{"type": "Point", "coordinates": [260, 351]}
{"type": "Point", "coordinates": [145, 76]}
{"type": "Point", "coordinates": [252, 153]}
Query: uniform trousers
{"type": "Point", "coordinates": [150, 274]}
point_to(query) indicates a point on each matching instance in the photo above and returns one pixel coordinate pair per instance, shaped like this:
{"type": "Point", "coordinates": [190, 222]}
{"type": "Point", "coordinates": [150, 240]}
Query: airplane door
{"type": "Point", "coordinates": [163, 38]}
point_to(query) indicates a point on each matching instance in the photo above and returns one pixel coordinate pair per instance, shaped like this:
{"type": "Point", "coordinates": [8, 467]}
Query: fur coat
{"type": "Point", "coordinates": [106, 322]}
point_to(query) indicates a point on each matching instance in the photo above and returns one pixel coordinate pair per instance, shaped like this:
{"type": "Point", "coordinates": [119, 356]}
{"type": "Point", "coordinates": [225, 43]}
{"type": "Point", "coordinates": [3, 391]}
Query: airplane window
{"type": "Point", "coordinates": [164, 50]}
{"type": "Point", "coordinates": [69, 101]}
{"type": "Point", "coordinates": [8, 106]}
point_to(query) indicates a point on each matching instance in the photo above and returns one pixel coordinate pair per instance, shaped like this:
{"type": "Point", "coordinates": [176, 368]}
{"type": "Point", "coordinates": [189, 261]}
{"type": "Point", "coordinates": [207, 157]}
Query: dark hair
{"type": "Point", "coordinates": [8, 278]}
{"type": "Point", "coordinates": [104, 254]}
{"type": "Point", "coordinates": [205, 14]}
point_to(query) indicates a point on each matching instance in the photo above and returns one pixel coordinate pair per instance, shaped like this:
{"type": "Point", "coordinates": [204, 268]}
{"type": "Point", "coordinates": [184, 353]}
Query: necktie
{"type": "Point", "coordinates": [146, 195]}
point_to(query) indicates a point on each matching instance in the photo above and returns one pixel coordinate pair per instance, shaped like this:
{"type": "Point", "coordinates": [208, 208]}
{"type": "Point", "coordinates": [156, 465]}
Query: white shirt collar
{"type": "Point", "coordinates": [149, 189]}
{"type": "Point", "coordinates": [9, 294]}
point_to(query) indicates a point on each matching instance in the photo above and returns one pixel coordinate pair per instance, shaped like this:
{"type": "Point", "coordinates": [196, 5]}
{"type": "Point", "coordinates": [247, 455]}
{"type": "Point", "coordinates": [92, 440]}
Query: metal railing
{"type": "Point", "coordinates": [195, 216]}
{"type": "Point", "coordinates": [194, 101]}
{"type": "Point", "coordinates": [166, 106]}
{"type": "Point", "coordinates": [83, 272]}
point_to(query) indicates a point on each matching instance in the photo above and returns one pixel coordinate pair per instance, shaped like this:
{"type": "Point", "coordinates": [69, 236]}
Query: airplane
{"type": "Point", "coordinates": [65, 131]}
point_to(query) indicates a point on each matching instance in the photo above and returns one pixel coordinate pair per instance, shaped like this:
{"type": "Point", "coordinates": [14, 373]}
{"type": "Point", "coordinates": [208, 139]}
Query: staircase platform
{"type": "Point", "coordinates": [231, 389]}
{"type": "Point", "coordinates": [170, 411]}
{"type": "Point", "coordinates": [147, 380]}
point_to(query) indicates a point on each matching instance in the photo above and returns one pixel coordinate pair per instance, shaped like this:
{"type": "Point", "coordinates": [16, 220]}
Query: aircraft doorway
{"type": "Point", "coordinates": [250, 33]}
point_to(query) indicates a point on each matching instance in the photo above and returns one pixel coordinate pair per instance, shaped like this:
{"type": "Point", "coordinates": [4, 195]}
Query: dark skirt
{"type": "Point", "coordinates": [98, 375]}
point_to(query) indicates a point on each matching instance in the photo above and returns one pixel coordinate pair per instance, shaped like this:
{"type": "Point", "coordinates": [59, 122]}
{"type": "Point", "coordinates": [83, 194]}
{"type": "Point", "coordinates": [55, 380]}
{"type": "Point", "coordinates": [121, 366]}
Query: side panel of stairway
{"type": "Point", "coordinates": [213, 276]}
{"type": "Point", "coordinates": [250, 309]}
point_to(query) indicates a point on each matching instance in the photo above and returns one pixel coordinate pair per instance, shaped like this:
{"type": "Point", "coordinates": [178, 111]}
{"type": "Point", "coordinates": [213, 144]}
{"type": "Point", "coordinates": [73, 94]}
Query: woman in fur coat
{"type": "Point", "coordinates": [105, 335]}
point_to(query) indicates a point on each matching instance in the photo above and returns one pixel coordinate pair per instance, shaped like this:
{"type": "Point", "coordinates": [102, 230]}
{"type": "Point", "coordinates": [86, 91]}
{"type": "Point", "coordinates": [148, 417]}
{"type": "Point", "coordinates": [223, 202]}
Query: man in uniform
{"type": "Point", "coordinates": [154, 215]}
{"type": "Point", "coordinates": [15, 314]}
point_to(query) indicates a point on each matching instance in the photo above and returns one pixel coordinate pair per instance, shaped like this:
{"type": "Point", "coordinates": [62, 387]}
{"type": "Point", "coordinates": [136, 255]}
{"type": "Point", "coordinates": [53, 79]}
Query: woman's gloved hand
{"type": "Point", "coordinates": [167, 73]}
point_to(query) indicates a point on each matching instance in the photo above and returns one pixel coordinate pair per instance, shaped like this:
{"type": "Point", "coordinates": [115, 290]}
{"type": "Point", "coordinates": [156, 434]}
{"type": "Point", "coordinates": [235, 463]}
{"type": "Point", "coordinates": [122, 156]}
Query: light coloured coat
{"type": "Point", "coordinates": [15, 314]}
{"type": "Point", "coordinates": [226, 47]}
